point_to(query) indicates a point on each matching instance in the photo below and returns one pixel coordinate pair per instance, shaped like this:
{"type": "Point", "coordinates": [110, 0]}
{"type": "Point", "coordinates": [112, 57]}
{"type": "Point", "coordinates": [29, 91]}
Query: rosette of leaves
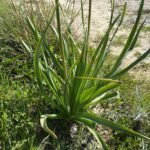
{"type": "Point", "coordinates": [73, 77]}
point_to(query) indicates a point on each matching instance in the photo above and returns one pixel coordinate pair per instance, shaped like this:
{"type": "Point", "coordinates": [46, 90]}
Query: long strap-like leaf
{"type": "Point", "coordinates": [110, 124]}
{"type": "Point", "coordinates": [129, 41]}
{"type": "Point", "coordinates": [60, 38]}
{"type": "Point", "coordinates": [89, 95]}
{"type": "Point", "coordinates": [133, 64]}
{"type": "Point", "coordinates": [98, 138]}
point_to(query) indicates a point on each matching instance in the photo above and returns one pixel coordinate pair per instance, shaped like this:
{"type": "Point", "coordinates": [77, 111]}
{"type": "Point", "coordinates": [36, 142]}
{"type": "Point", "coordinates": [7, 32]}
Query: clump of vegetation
{"type": "Point", "coordinates": [75, 78]}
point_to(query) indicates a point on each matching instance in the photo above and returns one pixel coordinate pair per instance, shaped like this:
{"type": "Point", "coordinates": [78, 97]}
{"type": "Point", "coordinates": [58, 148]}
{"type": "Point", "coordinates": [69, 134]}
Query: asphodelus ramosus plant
{"type": "Point", "coordinates": [74, 77]}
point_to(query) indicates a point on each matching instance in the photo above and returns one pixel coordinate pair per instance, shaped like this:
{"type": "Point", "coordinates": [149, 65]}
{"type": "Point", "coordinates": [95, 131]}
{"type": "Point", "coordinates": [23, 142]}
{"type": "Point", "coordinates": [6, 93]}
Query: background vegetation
{"type": "Point", "coordinates": [21, 102]}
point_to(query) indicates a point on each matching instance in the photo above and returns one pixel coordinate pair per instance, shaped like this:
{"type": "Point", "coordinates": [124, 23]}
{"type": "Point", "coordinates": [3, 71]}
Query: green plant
{"type": "Point", "coordinates": [74, 78]}
{"type": "Point", "coordinates": [20, 109]}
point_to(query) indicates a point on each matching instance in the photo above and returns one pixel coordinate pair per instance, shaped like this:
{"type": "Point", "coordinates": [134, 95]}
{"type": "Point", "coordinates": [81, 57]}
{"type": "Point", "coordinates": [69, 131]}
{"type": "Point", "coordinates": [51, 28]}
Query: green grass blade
{"type": "Point", "coordinates": [98, 79]}
{"type": "Point", "coordinates": [97, 67]}
{"type": "Point", "coordinates": [136, 37]}
{"type": "Point", "coordinates": [92, 79]}
{"type": "Point", "coordinates": [105, 98]}
{"type": "Point", "coordinates": [33, 28]}
{"type": "Point", "coordinates": [67, 96]}
{"type": "Point", "coordinates": [60, 37]}
{"type": "Point", "coordinates": [54, 59]}
{"type": "Point", "coordinates": [101, 51]}
{"type": "Point", "coordinates": [28, 48]}
{"type": "Point", "coordinates": [90, 94]}
{"type": "Point", "coordinates": [133, 64]}
{"type": "Point", "coordinates": [74, 43]}
{"type": "Point", "coordinates": [83, 62]}
{"type": "Point", "coordinates": [129, 41]}
{"type": "Point", "coordinates": [101, 57]}
{"type": "Point", "coordinates": [38, 53]}
{"type": "Point", "coordinates": [80, 70]}
{"type": "Point", "coordinates": [121, 20]}
{"type": "Point", "coordinates": [110, 96]}
{"type": "Point", "coordinates": [66, 52]}
{"type": "Point", "coordinates": [82, 15]}
{"type": "Point", "coordinates": [54, 90]}
{"type": "Point", "coordinates": [66, 20]}
{"type": "Point", "coordinates": [112, 10]}
{"type": "Point", "coordinates": [50, 82]}
{"type": "Point", "coordinates": [72, 68]}
{"type": "Point", "coordinates": [89, 20]}
{"type": "Point", "coordinates": [60, 80]}
{"type": "Point", "coordinates": [54, 31]}
{"type": "Point", "coordinates": [10, 60]}
{"type": "Point", "coordinates": [91, 125]}
{"type": "Point", "coordinates": [85, 121]}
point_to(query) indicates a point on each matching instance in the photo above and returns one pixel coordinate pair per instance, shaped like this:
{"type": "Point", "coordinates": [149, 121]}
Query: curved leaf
{"type": "Point", "coordinates": [98, 138]}
{"type": "Point", "coordinates": [110, 124]}
{"type": "Point", "coordinates": [43, 122]}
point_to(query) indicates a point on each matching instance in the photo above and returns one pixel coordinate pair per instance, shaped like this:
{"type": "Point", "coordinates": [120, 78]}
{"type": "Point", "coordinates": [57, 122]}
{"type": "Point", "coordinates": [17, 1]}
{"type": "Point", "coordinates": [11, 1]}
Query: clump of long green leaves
{"type": "Point", "coordinates": [74, 80]}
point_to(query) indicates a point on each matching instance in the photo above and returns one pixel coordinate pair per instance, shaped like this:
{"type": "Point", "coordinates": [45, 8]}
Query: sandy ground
{"type": "Point", "coordinates": [99, 23]}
